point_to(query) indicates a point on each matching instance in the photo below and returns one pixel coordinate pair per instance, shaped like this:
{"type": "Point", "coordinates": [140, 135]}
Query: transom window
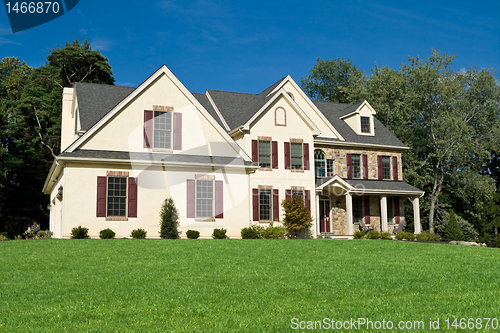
{"type": "Point", "coordinates": [265, 153]}
{"type": "Point", "coordinates": [162, 135]}
{"type": "Point", "coordinates": [386, 167]}
{"type": "Point", "coordinates": [265, 205]}
{"type": "Point", "coordinates": [365, 124]}
{"type": "Point", "coordinates": [356, 166]}
{"type": "Point", "coordinates": [298, 193]}
{"type": "Point", "coordinates": [357, 209]}
{"type": "Point", "coordinates": [117, 196]}
{"type": "Point", "coordinates": [204, 198]}
{"type": "Point", "coordinates": [319, 163]}
{"type": "Point", "coordinates": [296, 155]}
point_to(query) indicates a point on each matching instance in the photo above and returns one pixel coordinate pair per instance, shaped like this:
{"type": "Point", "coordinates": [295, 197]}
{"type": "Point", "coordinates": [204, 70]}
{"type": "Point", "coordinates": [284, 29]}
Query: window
{"type": "Point", "coordinates": [162, 134]}
{"type": "Point", "coordinates": [390, 210]}
{"type": "Point", "coordinates": [329, 168]}
{"type": "Point", "coordinates": [296, 155]}
{"type": "Point", "coordinates": [298, 193]}
{"type": "Point", "coordinates": [265, 205]}
{"type": "Point", "coordinates": [356, 166]}
{"type": "Point", "coordinates": [386, 167]}
{"type": "Point", "coordinates": [264, 153]}
{"type": "Point", "coordinates": [319, 163]}
{"type": "Point", "coordinates": [204, 198]}
{"type": "Point", "coordinates": [357, 209]}
{"type": "Point", "coordinates": [117, 196]}
{"type": "Point", "coordinates": [365, 124]}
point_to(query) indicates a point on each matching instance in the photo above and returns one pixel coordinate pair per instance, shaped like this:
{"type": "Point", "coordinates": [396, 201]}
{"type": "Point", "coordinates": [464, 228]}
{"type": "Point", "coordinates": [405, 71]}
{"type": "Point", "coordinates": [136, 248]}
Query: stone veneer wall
{"type": "Point", "coordinates": [338, 215]}
{"type": "Point", "coordinates": [339, 156]}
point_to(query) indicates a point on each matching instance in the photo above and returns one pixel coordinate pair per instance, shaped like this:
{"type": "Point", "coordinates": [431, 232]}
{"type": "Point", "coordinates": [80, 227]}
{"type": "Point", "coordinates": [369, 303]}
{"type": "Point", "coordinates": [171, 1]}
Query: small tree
{"type": "Point", "coordinates": [169, 220]}
{"type": "Point", "coordinates": [297, 219]}
{"type": "Point", "coordinates": [452, 232]}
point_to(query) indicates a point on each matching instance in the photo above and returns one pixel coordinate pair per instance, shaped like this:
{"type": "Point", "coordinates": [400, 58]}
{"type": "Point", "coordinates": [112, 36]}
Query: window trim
{"type": "Point", "coordinates": [270, 190]}
{"type": "Point", "coordinates": [323, 160]}
{"type": "Point", "coordinates": [388, 169]}
{"type": "Point", "coordinates": [301, 156]}
{"type": "Point", "coordinates": [204, 218]}
{"type": "Point", "coordinates": [259, 141]}
{"type": "Point", "coordinates": [125, 209]}
{"type": "Point", "coordinates": [362, 210]}
{"type": "Point", "coordinates": [369, 125]}
{"type": "Point", "coordinates": [153, 146]}
{"type": "Point", "coordinates": [358, 167]}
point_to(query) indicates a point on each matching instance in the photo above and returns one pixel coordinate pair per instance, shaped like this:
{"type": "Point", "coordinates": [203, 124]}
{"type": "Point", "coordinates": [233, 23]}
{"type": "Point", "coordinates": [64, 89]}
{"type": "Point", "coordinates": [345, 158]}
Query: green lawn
{"type": "Point", "coordinates": [239, 285]}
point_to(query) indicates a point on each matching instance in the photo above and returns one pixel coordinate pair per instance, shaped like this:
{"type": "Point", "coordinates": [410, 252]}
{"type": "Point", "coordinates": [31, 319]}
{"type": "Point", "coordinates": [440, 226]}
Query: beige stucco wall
{"type": "Point", "coordinates": [155, 184]}
{"type": "Point", "coordinates": [125, 132]}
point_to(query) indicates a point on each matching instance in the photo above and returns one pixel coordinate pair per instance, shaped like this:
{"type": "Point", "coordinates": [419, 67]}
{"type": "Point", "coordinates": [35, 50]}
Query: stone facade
{"type": "Point", "coordinates": [339, 157]}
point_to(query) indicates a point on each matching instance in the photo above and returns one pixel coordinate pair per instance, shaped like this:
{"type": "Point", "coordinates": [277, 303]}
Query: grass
{"type": "Point", "coordinates": [122, 285]}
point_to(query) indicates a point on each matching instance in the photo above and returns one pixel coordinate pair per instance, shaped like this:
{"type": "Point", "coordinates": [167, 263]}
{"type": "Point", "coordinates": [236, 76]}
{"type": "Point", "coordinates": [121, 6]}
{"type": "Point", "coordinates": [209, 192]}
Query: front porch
{"type": "Point", "coordinates": [378, 205]}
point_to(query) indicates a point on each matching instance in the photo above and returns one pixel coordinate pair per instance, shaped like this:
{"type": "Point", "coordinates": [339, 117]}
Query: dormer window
{"type": "Point", "coordinates": [365, 124]}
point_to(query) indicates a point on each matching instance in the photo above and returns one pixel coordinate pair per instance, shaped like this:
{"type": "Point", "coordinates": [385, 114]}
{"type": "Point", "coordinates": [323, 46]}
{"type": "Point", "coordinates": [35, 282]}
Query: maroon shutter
{"type": "Point", "coordinates": [101, 196]}
{"type": "Point", "coordinates": [219, 199]}
{"type": "Point", "coordinates": [191, 198]}
{"type": "Point", "coordinates": [274, 150]}
{"type": "Point", "coordinates": [365, 166]}
{"type": "Point", "coordinates": [395, 168]}
{"type": "Point", "coordinates": [380, 171]}
{"type": "Point", "coordinates": [287, 155]}
{"type": "Point", "coordinates": [288, 194]}
{"type": "Point", "coordinates": [367, 210]}
{"type": "Point", "coordinates": [349, 166]}
{"type": "Point", "coordinates": [396, 209]}
{"type": "Point", "coordinates": [276, 204]}
{"type": "Point", "coordinates": [305, 147]}
{"type": "Point", "coordinates": [148, 128]}
{"type": "Point", "coordinates": [307, 199]}
{"type": "Point", "coordinates": [255, 203]}
{"type": "Point", "coordinates": [132, 197]}
{"type": "Point", "coordinates": [177, 137]}
{"type": "Point", "coordinates": [255, 151]}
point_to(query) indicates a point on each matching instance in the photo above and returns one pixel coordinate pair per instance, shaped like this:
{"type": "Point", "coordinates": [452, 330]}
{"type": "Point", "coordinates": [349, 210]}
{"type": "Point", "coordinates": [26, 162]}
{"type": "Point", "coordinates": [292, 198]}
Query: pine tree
{"type": "Point", "coordinates": [452, 232]}
{"type": "Point", "coordinates": [169, 220]}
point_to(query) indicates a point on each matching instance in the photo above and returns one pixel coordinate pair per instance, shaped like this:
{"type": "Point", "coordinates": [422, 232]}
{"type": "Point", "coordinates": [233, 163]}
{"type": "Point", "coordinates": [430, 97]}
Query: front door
{"type": "Point", "coordinates": [324, 213]}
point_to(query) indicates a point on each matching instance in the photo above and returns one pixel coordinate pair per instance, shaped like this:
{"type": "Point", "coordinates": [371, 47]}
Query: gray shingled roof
{"type": "Point", "coordinates": [96, 100]}
{"type": "Point", "coordinates": [333, 112]}
{"type": "Point", "coordinates": [374, 184]}
{"type": "Point", "coordinates": [203, 99]}
{"type": "Point", "coordinates": [156, 157]}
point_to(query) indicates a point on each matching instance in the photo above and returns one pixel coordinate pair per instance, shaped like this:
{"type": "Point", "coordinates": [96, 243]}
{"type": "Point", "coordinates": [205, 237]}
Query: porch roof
{"type": "Point", "coordinates": [372, 185]}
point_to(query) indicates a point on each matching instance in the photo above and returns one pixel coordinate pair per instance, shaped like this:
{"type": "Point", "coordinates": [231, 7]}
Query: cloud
{"type": "Point", "coordinates": [83, 32]}
{"type": "Point", "coordinates": [6, 41]}
{"type": "Point", "coordinates": [102, 44]}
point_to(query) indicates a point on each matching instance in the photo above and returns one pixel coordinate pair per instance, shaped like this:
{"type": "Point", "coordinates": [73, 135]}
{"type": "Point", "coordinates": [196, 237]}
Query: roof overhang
{"type": "Point", "coordinates": [357, 145]}
{"type": "Point", "coordinates": [358, 109]}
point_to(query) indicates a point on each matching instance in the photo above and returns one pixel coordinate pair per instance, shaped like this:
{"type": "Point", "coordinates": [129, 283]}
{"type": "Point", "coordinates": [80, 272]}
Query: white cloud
{"type": "Point", "coordinates": [102, 44]}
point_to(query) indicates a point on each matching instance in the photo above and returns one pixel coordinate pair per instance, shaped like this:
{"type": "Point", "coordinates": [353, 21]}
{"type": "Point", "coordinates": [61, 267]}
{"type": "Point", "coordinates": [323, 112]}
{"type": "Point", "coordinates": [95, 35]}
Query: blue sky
{"type": "Point", "coordinates": [246, 46]}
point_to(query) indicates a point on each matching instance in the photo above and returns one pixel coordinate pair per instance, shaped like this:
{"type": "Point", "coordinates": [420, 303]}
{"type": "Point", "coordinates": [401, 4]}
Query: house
{"type": "Point", "coordinates": [227, 159]}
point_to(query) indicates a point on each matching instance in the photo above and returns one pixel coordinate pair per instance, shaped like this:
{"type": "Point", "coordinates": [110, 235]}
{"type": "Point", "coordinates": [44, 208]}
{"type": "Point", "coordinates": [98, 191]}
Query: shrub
{"type": "Point", "coordinates": [169, 220]}
{"type": "Point", "coordinates": [373, 234]}
{"type": "Point", "coordinates": [426, 236]}
{"type": "Point", "coordinates": [44, 234]}
{"type": "Point", "coordinates": [273, 232]}
{"type": "Point", "coordinates": [297, 219]}
{"type": "Point", "coordinates": [385, 235]}
{"type": "Point", "coordinates": [3, 238]}
{"type": "Point", "coordinates": [79, 232]}
{"type": "Point", "coordinates": [359, 234]}
{"type": "Point", "coordinates": [106, 234]}
{"type": "Point", "coordinates": [452, 232]}
{"type": "Point", "coordinates": [219, 233]}
{"type": "Point", "coordinates": [192, 234]}
{"type": "Point", "coordinates": [468, 232]}
{"type": "Point", "coordinates": [18, 237]}
{"type": "Point", "coordinates": [249, 233]}
{"type": "Point", "coordinates": [404, 235]}
{"type": "Point", "coordinates": [138, 234]}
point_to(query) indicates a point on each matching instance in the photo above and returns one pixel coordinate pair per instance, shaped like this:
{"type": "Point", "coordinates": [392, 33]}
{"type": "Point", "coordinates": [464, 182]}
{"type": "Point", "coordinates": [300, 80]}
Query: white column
{"type": "Point", "coordinates": [318, 216]}
{"type": "Point", "coordinates": [383, 213]}
{"type": "Point", "coordinates": [348, 213]}
{"type": "Point", "coordinates": [416, 215]}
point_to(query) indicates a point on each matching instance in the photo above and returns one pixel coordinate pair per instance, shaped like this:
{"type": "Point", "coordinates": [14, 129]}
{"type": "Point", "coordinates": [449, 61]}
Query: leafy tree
{"type": "Point", "coordinates": [169, 220]}
{"type": "Point", "coordinates": [452, 232]}
{"type": "Point", "coordinates": [328, 80]}
{"type": "Point", "coordinates": [297, 219]}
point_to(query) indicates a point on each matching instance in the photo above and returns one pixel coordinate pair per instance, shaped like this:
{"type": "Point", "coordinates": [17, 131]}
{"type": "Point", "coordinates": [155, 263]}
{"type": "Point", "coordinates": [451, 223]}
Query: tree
{"type": "Point", "coordinates": [297, 219]}
{"type": "Point", "coordinates": [169, 220]}
{"type": "Point", "coordinates": [328, 80]}
{"type": "Point", "coordinates": [452, 232]}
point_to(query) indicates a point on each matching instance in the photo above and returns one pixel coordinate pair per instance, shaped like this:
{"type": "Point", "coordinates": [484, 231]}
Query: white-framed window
{"type": "Point", "coordinates": [265, 204]}
{"type": "Point", "coordinates": [265, 153]}
{"type": "Point", "coordinates": [386, 167]}
{"type": "Point", "coordinates": [365, 124]}
{"type": "Point", "coordinates": [204, 198]}
{"type": "Point", "coordinates": [162, 130]}
{"type": "Point", "coordinates": [357, 209]}
{"type": "Point", "coordinates": [319, 163]}
{"type": "Point", "coordinates": [296, 155]}
{"type": "Point", "coordinates": [117, 197]}
{"type": "Point", "coordinates": [298, 193]}
{"type": "Point", "coordinates": [329, 168]}
{"type": "Point", "coordinates": [356, 166]}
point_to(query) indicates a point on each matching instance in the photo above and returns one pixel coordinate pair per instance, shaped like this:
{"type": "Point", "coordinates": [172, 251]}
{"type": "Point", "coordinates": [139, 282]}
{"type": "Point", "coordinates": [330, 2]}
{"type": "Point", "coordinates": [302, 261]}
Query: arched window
{"type": "Point", "coordinates": [319, 163]}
